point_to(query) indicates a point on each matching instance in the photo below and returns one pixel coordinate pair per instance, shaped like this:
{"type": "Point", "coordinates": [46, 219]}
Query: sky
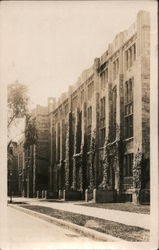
{"type": "Point", "coordinates": [47, 44]}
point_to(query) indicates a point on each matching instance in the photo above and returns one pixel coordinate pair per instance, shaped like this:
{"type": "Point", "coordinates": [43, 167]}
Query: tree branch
{"type": "Point", "coordinates": [11, 120]}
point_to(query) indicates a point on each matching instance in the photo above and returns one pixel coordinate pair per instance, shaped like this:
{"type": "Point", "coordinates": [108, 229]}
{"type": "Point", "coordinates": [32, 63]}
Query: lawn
{"type": "Point", "coordinates": [129, 207]}
{"type": "Point", "coordinates": [129, 233]}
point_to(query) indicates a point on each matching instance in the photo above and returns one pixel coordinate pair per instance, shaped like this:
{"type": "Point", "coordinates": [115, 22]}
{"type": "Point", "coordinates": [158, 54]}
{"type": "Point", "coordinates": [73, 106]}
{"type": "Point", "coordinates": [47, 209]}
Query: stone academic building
{"type": "Point", "coordinates": [94, 142]}
{"type": "Point", "coordinates": [33, 160]}
{"type": "Point", "coordinates": [100, 130]}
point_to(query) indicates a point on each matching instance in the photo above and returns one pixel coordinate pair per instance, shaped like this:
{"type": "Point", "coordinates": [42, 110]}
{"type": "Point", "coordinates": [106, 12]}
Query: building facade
{"type": "Point", "coordinates": [99, 132]}
{"type": "Point", "coordinates": [33, 158]}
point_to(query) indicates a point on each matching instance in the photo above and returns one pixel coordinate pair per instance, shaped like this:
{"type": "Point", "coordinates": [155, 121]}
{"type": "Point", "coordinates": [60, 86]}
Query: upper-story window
{"type": "Point", "coordinates": [66, 108]}
{"type": "Point", "coordinates": [129, 108]}
{"type": "Point", "coordinates": [90, 90]}
{"type": "Point", "coordinates": [89, 125]}
{"type": "Point", "coordinates": [74, 102]}
{"type": "Point", "coordinates": [134, 51]}
{"type": "Point", "coordinates": [115, 68]}
{"type": "Point", "coordinates": [106, 75]}
{"type": "Point", "coordinates": [104, 78]}
{"type": "Point", "coordinates": [130, 56]}
{"type": "Point", "coordinates": [82, 96]}
{"type": "Point", "coordinates": [54, 144]}
{"type": "Point", "coordinates": [28, 152]}
{"type": "Point", "coordinates": [102, 122]}
{"type": "Point", "coordinates": [89, 116]}
{"type": "Point", "coordinates": [79, 132]}
{"type": "Point", "coordinates": [63, 139]}
{"type": "Point", "coordinates": [114, 99]}
{"type": "Point", "coordinates": [58, 142]}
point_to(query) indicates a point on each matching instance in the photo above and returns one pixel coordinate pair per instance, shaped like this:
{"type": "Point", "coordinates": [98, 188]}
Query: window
{"type": "Point", "coordinates": [115, 68]}
{"type": "Point", "coordinates": [114, 97]}
{"type": "Point", "coordinates": [90, 90]}
{"type": "Point", "coordinates": [130, 52]}
{"type": "Point", "coordinates": [58, 156]}
{"type": "Point", "coordinates": [102, 101]}
{"type": "Point", "coordinates": [102, 133]}
{"type": "Point", "coordinates": [128, 165]}
{"type": "Point", "coordinates": [104, 78]}
{"type": "Point", "coordinates": [74, 102]}
{"type": "Point", "coordinates": [63, 138]}
{"type": "Point", "coordinates": [102, 122]}
{"type": "Point", "coordinates": [61, 112]}
{"type": "Point", "coordinates": [82, 96]}
{"type": "Point", "coordinates": [54, 149]}
{"type": "Point", "coordinates": [126, 59]}
{"type": "Point", "coordinates": [129, 109]}
{"type": "Point", "coordinates": [134, 51]}
{"type": "Point", "coordinates": [89, 125]}
{"type": "Point", "coordinates": [28, 151]}
{"type": "Point", "coordinates": [66, 108]}
{"type": "Point", "coordinates": [90, 115]}
{"type": "Point", "coordinates": [106, 75]}
{"type": "Point", "coordinates": [130, 56]}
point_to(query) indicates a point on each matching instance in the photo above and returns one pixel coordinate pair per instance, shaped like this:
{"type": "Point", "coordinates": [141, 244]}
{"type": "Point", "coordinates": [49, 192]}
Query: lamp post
{"type": "Point", "coordinates": [27, 164]}
{"type": "Point", "coordinates": [11, 186]}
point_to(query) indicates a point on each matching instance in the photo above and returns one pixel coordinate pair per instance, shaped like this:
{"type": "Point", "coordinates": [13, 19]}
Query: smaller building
{"type": "Point", "coordinates": [33, 154]}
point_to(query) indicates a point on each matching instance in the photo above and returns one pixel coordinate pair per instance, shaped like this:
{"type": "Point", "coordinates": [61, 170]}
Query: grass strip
{"type": "Point", "coordinates": [127, 207]}
{"type": "Point", "coordinates": [129, 233]}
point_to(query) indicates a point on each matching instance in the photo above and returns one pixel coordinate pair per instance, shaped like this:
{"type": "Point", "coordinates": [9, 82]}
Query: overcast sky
{"type": "Point", "coordinates": [46, 45]}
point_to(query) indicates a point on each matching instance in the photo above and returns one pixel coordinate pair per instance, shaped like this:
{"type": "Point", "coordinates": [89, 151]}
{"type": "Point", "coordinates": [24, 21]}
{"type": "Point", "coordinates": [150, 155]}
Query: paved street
{"type": "Point", "coordinates": [22, 231]}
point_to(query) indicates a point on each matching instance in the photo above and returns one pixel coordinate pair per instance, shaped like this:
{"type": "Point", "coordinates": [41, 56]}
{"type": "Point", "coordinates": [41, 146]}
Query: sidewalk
{"type": "Point", "coordinates": [127, 218]}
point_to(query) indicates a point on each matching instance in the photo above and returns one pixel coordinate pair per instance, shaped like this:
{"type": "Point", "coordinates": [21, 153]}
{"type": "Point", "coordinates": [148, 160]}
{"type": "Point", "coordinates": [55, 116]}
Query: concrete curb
{"type": "Point", "coordinates": [80, 229]}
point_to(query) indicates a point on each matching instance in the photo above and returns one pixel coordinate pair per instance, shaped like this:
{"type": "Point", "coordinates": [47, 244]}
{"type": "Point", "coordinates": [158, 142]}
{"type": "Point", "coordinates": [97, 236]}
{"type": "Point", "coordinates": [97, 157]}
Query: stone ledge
{"type": "Point", "coordinates": [82, 230]}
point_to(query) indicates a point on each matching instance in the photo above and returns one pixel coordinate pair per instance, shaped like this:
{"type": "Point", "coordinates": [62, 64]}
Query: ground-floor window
{"type": "Point", "coordinates": [128, 165]}
{"type": "Point", "coordinates": [102, 136]}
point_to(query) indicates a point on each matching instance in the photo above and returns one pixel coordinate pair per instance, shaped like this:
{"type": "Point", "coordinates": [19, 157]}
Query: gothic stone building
{"type": "Point", "coordinates": [100, 129]}
{"type": "Point", "coordinates": [33, 161]}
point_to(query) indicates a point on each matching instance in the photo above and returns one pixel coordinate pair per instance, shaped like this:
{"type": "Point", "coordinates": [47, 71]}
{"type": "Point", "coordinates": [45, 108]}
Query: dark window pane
{"type": "Point", "coordinates": [134, 51]}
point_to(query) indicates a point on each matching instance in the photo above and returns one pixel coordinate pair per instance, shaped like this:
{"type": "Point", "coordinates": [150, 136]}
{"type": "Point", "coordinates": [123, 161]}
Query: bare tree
{"type": "Point", "coordinates": [17, 102]}
{"type": "Point", "coordinates": [31, 133]}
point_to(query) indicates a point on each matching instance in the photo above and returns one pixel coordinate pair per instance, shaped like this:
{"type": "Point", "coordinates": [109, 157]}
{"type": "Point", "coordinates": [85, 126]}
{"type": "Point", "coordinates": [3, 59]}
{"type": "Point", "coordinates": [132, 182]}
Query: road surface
{"type": "Point", "coordinates": [23, 231]}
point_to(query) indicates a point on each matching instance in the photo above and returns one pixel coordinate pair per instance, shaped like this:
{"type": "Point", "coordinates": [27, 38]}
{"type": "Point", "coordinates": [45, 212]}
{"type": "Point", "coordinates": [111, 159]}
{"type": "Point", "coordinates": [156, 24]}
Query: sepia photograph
{"type": "Point", "coordinates": [78, 125]}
